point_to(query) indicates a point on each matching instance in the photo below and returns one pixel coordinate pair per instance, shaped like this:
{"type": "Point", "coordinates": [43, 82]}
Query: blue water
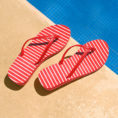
{"type": "Point", "coordinates": [88, 20]}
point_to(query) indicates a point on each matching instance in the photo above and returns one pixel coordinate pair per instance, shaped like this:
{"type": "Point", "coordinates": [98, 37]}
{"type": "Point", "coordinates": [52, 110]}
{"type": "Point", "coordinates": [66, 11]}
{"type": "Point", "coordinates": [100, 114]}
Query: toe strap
{"type": "Point", "coordinates": [88, 50]}
{"type": "Point", "coordinates": [52, 38]}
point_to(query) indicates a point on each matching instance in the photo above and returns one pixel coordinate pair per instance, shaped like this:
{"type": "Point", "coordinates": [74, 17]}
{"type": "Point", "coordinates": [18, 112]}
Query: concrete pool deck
{"type": "Point", "coordinates": [94, 96]}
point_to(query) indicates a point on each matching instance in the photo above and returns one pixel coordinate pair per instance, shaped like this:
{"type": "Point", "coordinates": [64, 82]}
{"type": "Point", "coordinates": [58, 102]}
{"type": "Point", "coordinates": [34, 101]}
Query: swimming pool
{"type": "Point", "coordinates": [88, 20]}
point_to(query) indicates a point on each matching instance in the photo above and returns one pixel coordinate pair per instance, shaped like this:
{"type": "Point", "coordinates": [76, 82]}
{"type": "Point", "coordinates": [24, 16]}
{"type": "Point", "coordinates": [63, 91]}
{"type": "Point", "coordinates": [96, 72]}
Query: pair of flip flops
{"type": "Point", "coordinates": [50, 41]}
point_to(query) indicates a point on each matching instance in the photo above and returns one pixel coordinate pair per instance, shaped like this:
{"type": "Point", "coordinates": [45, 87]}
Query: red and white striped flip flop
{"type": "Point", "coordinates": [88, 59]}
{"type": "Point", "coordinates": [47, 43]}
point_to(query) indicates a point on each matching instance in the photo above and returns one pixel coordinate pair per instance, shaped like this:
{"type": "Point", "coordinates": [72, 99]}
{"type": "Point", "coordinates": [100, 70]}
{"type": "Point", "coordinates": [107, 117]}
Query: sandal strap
{"type": "Point", "coordinates": [52, 38]}
{"type": "Point", "coordinates": [87, 51]}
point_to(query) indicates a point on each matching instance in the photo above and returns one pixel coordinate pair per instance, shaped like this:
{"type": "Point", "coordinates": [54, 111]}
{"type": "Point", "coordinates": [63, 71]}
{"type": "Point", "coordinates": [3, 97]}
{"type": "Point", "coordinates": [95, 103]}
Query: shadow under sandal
{"type": "Point", "coordinates": [88, 59]}
{"type": "Point", "coordinates": [47, 43]}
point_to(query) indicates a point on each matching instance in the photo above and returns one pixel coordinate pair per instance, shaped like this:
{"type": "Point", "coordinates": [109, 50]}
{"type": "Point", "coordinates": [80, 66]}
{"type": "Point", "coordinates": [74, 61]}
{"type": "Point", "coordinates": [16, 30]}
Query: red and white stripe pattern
{"type": "Point", "coordinates": [56, 75]}
{"type": "Point", "coordinates": [24, 66]}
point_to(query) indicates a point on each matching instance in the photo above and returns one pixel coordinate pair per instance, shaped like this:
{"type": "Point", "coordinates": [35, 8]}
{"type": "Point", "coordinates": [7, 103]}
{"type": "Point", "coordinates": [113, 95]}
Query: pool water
{"type": "Point", "coordinates": [88, 20]}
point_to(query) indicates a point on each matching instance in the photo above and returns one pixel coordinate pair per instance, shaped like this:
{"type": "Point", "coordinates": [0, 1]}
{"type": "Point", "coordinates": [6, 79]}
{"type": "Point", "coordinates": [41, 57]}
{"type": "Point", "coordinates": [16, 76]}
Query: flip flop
{"type": "Point", "coordinates": [88, 59]}
{"type": "Point", "coordinates": [47, 43]}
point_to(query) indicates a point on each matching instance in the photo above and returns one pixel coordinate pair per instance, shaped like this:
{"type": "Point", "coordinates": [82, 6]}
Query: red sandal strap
{"type": "Point", "coordinates": [87, 51]}
{"type": "Point", "coordinates": [47, 47]}
{"type": "Point", "coordinates": [52, 39]}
